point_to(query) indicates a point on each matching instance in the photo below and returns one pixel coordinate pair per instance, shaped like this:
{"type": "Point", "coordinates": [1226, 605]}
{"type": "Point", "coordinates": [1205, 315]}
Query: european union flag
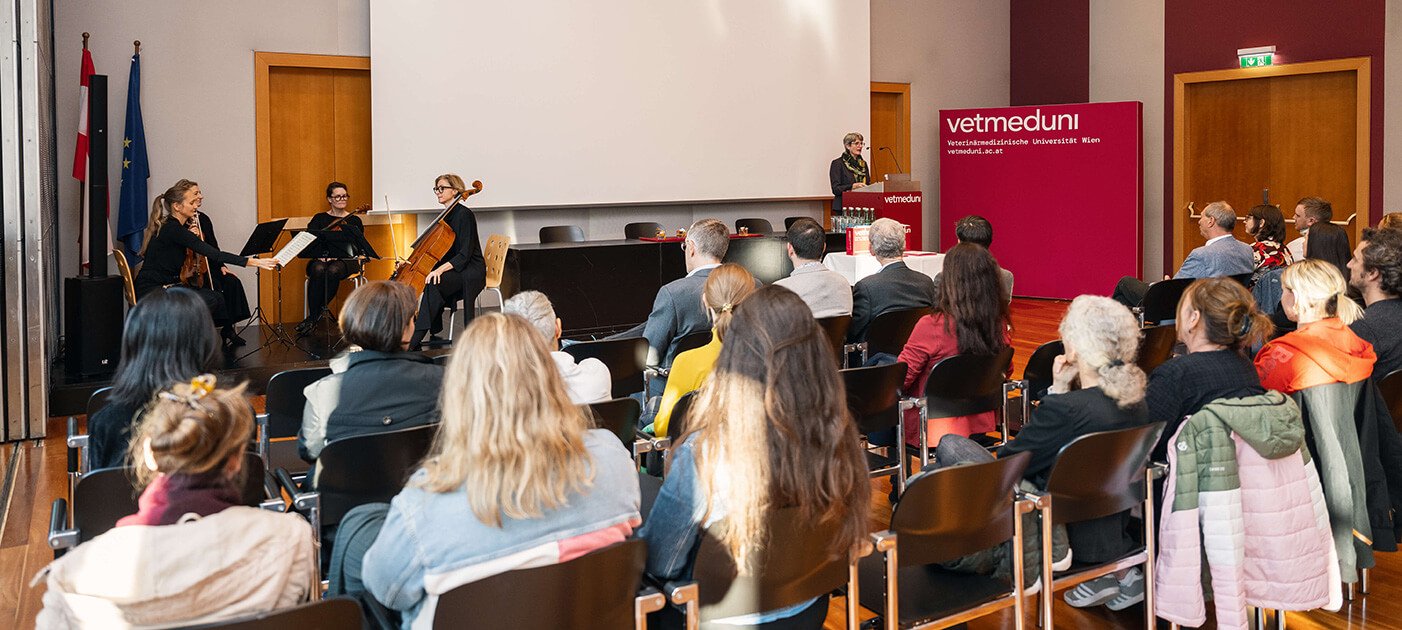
{"type": "Point", "coordinates": [131, 213]}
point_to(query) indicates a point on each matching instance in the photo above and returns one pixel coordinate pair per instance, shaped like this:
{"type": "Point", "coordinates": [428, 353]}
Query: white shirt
{"type": "Point", "coordinates": [588, 381]}
{"type": "Point", "coordinates": [1214, 240]}
{"type": "Point", "coordinates": [1296, 249]}
{"type": "Point", "coordinates": [693, 271]}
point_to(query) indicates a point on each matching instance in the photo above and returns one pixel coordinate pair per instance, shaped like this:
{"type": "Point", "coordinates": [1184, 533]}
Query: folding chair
{"type": "Point", "coordinates": [336, 613]}
{"type": "Point", "coordinates": [874, 400]}
{"type": "Point", "coordinates": [1155, 346]}
{"type": "Point", "coordinates": [887, 333]}
{"type": "Point", "coordinates": [1161, 301]}
{"type": "Point", "coordinates": [626, 360]}
{"type": "Point", "coordinates": [964, 385]}
{"type": "Point", "coordinates": [282, 417]}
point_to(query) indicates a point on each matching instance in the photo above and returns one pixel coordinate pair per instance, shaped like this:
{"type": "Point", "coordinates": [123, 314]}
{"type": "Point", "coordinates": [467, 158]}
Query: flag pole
{"type": "Point", "coordinates": [82, 195]}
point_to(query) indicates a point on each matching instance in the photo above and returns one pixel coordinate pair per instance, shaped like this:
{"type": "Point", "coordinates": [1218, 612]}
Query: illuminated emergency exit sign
{"type": "Point", "coordinates": [1256, 57]}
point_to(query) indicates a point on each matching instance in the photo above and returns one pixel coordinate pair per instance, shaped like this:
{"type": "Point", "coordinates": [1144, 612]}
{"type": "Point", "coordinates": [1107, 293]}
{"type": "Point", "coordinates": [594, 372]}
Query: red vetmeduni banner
{"type": "Point", "coordinates": [1061, 184]}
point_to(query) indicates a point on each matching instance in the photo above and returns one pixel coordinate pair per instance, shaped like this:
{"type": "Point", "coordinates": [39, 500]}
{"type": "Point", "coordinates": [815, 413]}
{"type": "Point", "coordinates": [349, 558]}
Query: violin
{"type": "Point", "coordinates": [430, 249]}
{"type": "Point", "coordinates": [336, 224]}
{"type": "Point", "coordinates": [194, 272]}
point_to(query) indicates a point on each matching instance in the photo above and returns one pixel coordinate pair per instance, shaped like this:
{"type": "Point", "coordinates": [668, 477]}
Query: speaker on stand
{"type": "Point", "coordinates": [93, 304]}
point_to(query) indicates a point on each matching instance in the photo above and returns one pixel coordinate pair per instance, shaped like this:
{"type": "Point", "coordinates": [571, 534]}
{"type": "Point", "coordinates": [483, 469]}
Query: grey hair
{"type": "Point", "coordinates": [1105, 337]}
{"type": "Point", "coordinates": [1222, 214]}
{"type": "Point", "coordinates": [535, 308]}
{"type": "Point", "coordinates": [887, 238]}
{"type": "Point", "coordinates": [711, 237]}
{"type": "Point", "coordinates": [848, 139]}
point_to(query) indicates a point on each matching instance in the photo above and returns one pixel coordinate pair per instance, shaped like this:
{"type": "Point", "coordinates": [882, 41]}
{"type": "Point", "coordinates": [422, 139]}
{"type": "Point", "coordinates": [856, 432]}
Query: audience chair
{"type": "Point", "coordinates": [443, 359]}
{"type": "Point", "coordinates": [1155, 346]}
{"type": "Point", "coordinates": [103, 496]}
{"type": "Point", "coordinates": [789, 221]}
{"type": "Point", "coordinates": [789, 570]}
{"type": "Point", "coordinates": [642, 229]}
{"type": "Point", "coordinates": [888, 333]}
{"type": "Point", "coordinates": [597, 590]}
{"type": "Point", "coordinates": [755, 226]}
{"type": "Point", "coordinates": [77, 443]}
{"type": "Point", "coordinates": [1391, 388]}
{"type": "Point", "coordinates": [128, 286]}
{"type": "Point", "coordinates": [561, 234]}
{"type": "Point", "coordinates": [947, 514]}
{"type": "Point", "coordinates": [336, 613]}
{"type": "Point", "coordinates": [494, 252]}
{"type": "Point", "coordinates": [1242, 278]}
{"type": "Point", "coordinates": [874, 400]}
{"type": "Point", "coordinates": [963, 385]}
{"type": "Point", "coordinates": [835, 328]}
{"type": "Point", "coordinates": [1037, 376]}
{"type": "Point", "coordinates": [620, 417]}
{"type": "Point", "coordinates": [689, 341]}
{"type": "Point", "coordinates": [1160, 302]}
{"type": "Point", "coordinates": [626, 360]}
{"type": "Point", "coordinates": [1098, 475]}
{"type": "Point", "coordinates": [282, 417]}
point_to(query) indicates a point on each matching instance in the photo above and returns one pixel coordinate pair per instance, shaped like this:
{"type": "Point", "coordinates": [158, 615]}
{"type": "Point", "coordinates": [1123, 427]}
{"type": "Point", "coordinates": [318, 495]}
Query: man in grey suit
{"type": "Point", "coordinates": [825, 291]}
{"type": "Point", "coordinates": [1221, 256]}
{"type": "Point", "coordinates": [678, 310]}
{"type": "Point", "coordinates": [895, 287]}
{"type": "Point", "coordinates": [977, 230]}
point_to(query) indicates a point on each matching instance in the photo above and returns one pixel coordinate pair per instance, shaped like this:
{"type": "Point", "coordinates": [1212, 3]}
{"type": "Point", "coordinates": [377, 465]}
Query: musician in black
{"type": "Point", "coordinates": [461, 274]}
{"type": "Point", "coordinates": [331, 262]}
{"type": "Point", "coordinates": [171, 235]}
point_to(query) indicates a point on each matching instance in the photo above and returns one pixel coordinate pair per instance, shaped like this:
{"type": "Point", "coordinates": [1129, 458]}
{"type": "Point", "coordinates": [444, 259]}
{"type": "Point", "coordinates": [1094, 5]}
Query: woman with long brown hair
{"type": "Point", "coordinates": [970, 318]}
{"type": "Point", "coordinates": [769, 430]}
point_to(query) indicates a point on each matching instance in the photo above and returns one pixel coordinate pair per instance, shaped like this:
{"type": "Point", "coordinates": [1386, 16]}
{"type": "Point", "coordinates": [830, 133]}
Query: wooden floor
{"type": "Point", "coordinates": [34, 474]}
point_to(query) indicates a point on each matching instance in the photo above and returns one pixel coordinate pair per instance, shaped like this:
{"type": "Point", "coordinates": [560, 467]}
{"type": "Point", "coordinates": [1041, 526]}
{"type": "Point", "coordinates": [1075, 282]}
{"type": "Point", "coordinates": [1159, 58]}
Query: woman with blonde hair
{"type": "Point", "coordinates": [462, 273]}
{"type": "Point", "coordinates": [1322, 349]}
{"type": "Point", "coordinates": [727, 285]}
{"type": "Point", "coordinates": [769, 430]}
{"type": "Point", "coordinates": [515, 478]}
{"type": "Point", "coordinates": [215, 558]}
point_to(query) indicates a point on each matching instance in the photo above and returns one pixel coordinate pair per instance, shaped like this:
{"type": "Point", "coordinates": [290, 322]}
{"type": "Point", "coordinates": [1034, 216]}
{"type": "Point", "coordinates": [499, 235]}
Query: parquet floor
{"type": "Point", "coordinates": [36, 476]}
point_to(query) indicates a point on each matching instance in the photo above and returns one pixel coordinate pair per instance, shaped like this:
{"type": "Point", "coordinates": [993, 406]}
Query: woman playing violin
{"type": "Point", "coordinates": [180, 241]}
{"type": "Point", "coordinates": [462, 274]}
{"type": "Point", "coordinates": [331, 264]}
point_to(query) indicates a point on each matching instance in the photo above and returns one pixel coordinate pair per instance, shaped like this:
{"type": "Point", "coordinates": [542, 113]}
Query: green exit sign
{"type": "Point", "coordinates": [1257, 61]}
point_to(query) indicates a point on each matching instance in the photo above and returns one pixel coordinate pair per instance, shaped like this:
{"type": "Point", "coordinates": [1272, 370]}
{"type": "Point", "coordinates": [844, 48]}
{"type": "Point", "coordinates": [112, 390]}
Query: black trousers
{"type": "Point", "coordinates": [452, 286]}
{"type": "Point", "coordinates": [324, 281]}
{"type": "Point", "coordinates": [1130, 291]}
{"type": "Point", "coordinates": [235, 300]}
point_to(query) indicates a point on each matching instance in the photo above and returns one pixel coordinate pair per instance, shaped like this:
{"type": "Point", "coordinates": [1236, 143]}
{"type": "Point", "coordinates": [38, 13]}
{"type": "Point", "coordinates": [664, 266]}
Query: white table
{"type": "Point", "coordinates": [854, 268]}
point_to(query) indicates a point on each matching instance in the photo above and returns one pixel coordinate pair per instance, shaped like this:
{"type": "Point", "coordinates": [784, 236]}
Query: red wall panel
{"type": "Point", "coordinates": [1049, 46]}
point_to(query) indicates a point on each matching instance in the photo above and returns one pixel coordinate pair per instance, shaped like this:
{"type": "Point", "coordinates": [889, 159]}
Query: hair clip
{"type": "Point", "coordinates": [191, 393]}
{"type": "Point", "coordinates": [726, 308]}
{"type": "Point", "coordinates": [1115, 363]}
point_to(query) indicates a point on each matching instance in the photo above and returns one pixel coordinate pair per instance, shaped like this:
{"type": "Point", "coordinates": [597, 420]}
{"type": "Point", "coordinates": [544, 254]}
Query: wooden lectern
{"type": "Point", "coordinates": [896, 198]}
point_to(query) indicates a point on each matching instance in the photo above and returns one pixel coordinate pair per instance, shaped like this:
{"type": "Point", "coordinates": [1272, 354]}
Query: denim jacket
{"type": "Point", "coordinates": [431, 542]}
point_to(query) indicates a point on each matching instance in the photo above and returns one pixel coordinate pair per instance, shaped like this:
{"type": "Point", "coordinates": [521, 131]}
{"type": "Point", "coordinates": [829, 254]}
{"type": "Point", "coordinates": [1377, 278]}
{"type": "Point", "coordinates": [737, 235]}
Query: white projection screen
{"type": "Point", "coordinates": [563, 102]}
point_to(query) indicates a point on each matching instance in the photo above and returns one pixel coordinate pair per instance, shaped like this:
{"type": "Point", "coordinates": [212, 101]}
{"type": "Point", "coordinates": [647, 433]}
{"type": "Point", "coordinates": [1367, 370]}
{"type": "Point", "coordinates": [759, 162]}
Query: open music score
{"type": "Point", "coordinates": [294, 247]}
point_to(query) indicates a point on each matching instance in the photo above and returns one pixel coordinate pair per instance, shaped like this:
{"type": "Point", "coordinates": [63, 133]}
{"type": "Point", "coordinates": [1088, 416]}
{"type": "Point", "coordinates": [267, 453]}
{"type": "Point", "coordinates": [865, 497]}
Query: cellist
{"type": "Point", "coordinates": [462, 273]}
{"type": "Point", "coordinates": [175, 230]}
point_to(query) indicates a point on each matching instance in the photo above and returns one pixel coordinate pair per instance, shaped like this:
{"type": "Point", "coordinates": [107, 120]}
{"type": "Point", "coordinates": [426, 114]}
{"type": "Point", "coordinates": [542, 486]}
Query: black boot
{"type": "Point", "coordinates": [232, 338]}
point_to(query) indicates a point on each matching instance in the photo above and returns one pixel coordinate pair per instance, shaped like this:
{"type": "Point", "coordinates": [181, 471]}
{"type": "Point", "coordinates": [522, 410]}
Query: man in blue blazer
{"type": "Point", "coordinates": [1222, 255]}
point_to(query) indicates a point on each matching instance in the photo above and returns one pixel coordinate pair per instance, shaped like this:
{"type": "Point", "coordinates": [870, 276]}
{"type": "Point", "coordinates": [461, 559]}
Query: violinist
{"type": "Point", "coordinates": [462, 274]}
{"type": "Point", "coordinates": [330, 265]}
{"type": "Point", "coordinates": [179, 248]}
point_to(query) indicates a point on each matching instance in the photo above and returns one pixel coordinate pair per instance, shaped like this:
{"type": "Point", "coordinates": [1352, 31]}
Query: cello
{"type": "Point", "coordinates": [431, 247]}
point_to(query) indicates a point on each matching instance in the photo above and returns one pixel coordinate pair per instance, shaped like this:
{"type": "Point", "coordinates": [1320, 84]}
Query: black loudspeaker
{"type": "Point", "coordinates": [97, 176]}
{"type": "Point", "coordinates": [93, 316]}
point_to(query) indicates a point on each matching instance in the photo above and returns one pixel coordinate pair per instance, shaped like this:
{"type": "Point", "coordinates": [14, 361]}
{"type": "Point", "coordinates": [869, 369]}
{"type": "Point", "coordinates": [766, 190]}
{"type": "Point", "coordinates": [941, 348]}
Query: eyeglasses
{"type": "Point", "coordinates": [340, 197]}
{"type": "Point", "coordinates": [439, 189]}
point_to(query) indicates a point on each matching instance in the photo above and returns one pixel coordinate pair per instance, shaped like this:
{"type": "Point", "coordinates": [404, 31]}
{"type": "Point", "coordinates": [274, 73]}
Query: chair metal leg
{"type": "Point", "coordinates": [1047, 592]}
{"type": "Point", "coordinates": [854, 617]}
{"type": "Point", "coordinates": [1348, 592]}
{"type": "Point", "coordinates": [1150, 614]}
{"type": "Point", "coordinates": [1020, 507]}
{"type": "Point", "coordinates": [923, 429]}
{"type": "Point", "coordinates": [1363, 581]}
{"type": "Point", "coordinates": [1260, 619]}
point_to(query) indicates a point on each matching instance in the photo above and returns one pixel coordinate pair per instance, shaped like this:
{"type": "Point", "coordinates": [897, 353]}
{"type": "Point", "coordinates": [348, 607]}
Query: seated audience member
{"type": "Point", "coordinates": [1267, 225]}
{"type": "Point", "coordinates": [1222, 255]}
{"type": "Point", "coordinates": [381, 387]}
{"type": "Point", "coordinates": [895, 287]}
{"type": "Point", "coordinates": [1377, 274]}
{"type": "Point", "coordinates": [168, 338]}
{"type": "Point", "coordinates": [1095, 387]}
{"type": "Point", "coordinates": [1217, 323]}
{"type": "Point", "coordinates": [1390, 221]}
{"type": "Point", "coordinates": [825, 291]}
{"type": "Point", "coordinates": [587, 381]}
{"type": "Point", "coordinates": [1329, 243]}
{"type": "Point", "coordinates": [191, 554]}
{"type": "Point", "coordinates": [977, 230]}
{"type": "Point", "coordinates": [1309, 212]}
{"type": "Point", "coordinates": [775, 377]}
{"type": "Point", "coordinates": [1322, 349]}
{"type": "Point", "coordinates": [970, 318]}
{"type": "Point", "coordinates": [516, 478]}
{"type": "Point", "coordinates": [725, 288]}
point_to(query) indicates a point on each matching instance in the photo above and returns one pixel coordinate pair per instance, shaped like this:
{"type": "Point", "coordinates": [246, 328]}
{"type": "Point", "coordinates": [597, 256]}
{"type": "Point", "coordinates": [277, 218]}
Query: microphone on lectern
{"type": "Point", "coordinates": [893, 159]}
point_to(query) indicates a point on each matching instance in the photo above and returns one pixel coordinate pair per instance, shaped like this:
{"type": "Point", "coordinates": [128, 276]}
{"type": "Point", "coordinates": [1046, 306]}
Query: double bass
{"type": "Point", "coordinates": [431, 247]}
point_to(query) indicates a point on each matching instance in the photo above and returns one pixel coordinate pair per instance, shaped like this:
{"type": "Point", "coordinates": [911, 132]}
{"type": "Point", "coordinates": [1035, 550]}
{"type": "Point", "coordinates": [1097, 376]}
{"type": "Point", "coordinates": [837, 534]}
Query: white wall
{"type": "Point", "coordinates": [197, 92]}
{"type": "Point", "coordinates": [953, 53]}
{"type": "Point", "coordinates": [1126, 64]}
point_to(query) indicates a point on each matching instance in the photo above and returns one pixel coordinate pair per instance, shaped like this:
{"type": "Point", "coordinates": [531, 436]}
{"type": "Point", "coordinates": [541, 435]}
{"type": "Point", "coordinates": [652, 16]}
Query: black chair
{"type": "Point", "coordinates": [689, 341]}
{"type": "Point", "coordinates": [282, 417]}
{"type": "Point", "coordinates": [596, 590]}
{"type": "Point", "coordinates": [562, 234]}
{"type": "Point", "coordinates": [964, 385]}
{"type": "Point", "coordinates": [676, 425]}
{"type": "Point", "coordinates": [874, 400]}
{"type": "Point", "coordinates": [98, 400]}
{"type": "Point", "coordinates": [1037, 376]}
{"type": "Point", "coordinates": [754, 226]}
{"type": "Point", "coordinates": [625, 358]}
{"type": "Point", "coordinates": [835, 328]}
{"type": "Point", "coordinates": [1160, 302]}
{"type": "Point", "coordinates": [336, 613]}
{"type": "Point", "coordinates": [789, 221]}
{"type": "Point", "coordinates": [620, 417]}
{"type": "Point", "coordinates": [443, 359]}
{"type": "Point", "coordinates": [889, 332]}
{"type": "Point", "coordinates": [642, 229]}
{"type": "Point", "coordinates": [793, 567]}
{"type": "Point", "coordinates": [1098, 475]}
{"type": "Point", "coordinates": [1155, 346]}
{"type": "Point", "coordinates": [1243, 278]}
{"type": "Point", "coordinates": [947, 514]}
{"type": "Point", "coordinates": [1391, 388]}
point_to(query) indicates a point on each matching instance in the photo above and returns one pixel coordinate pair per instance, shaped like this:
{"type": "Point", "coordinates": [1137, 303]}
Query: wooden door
{"type": "Point", "coordinates": [890, 127]}
{"type": "Point", "coordinates": [314, 128]}
{"type": "Point", "coordinates": [1293, 131]}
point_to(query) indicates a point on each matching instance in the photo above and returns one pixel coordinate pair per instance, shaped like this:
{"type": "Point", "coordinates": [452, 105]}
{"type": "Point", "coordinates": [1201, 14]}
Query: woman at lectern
{"type": "Point", "coordinates": [849, 171]}
{"type": "Point", "coordinates": [463, 272]}
{"type": "Point", "coordinates": [180, 249]}
{"type": "Point", "coordinates": [330, 267]}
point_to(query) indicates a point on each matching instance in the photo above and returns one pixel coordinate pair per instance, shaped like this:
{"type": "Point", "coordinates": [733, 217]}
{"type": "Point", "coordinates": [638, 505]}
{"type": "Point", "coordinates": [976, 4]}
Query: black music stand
{"type": "Point", "coordinates": [262, 241]}
{"type": "Point", "coordinates": [344, 244]}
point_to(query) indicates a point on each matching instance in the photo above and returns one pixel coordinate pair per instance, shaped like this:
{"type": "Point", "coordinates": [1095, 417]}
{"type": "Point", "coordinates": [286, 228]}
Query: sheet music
{"type": "Point", "coordinates": [294, 247]}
